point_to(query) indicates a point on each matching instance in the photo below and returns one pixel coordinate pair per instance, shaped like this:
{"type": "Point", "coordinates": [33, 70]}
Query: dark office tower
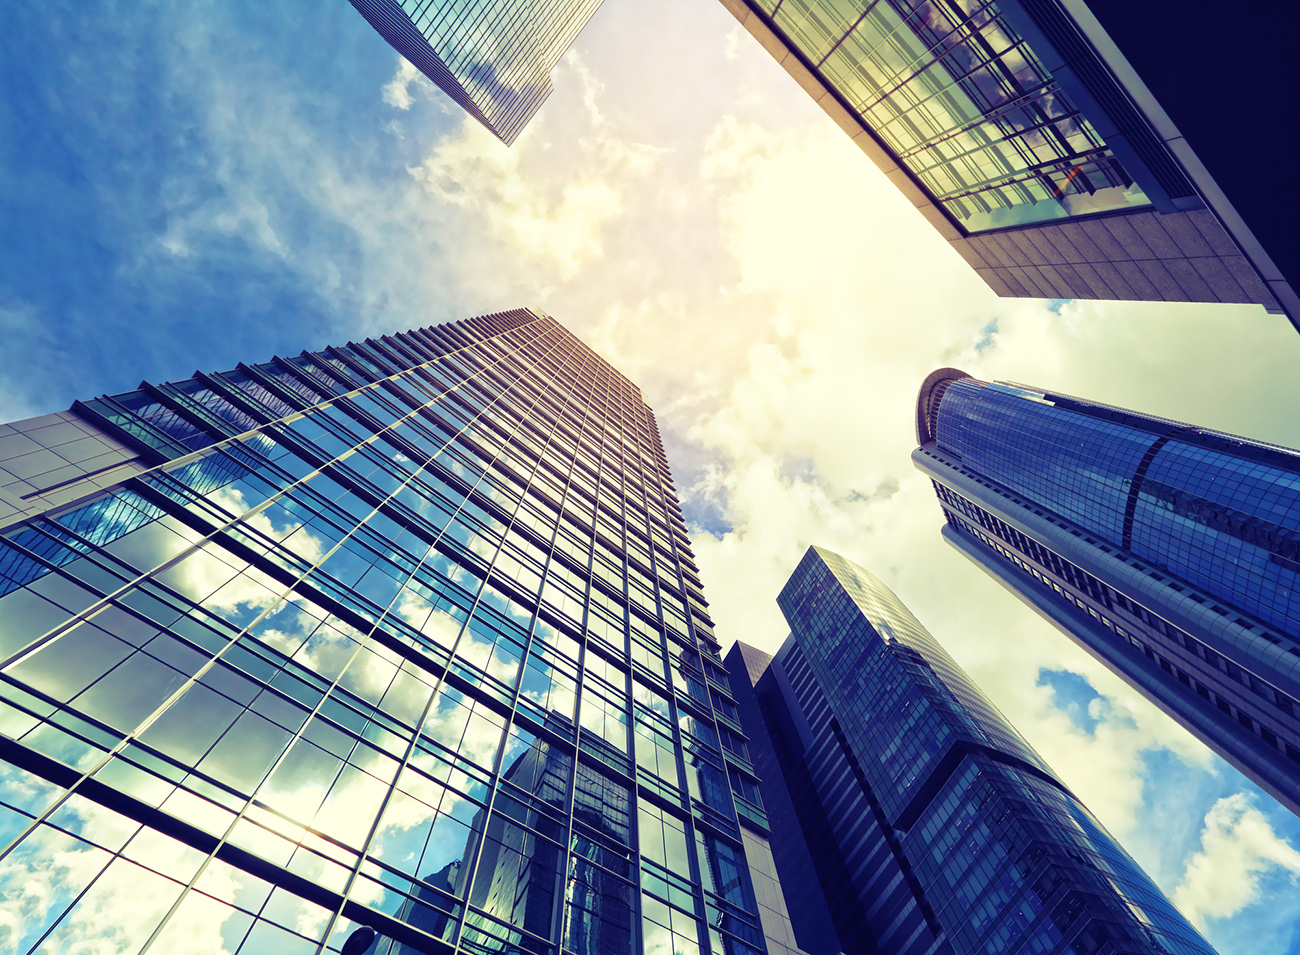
{"type": "Point", "coordinates": [1031, 141]}
{"type": "Point", "coordinates": [1169, 552]}
{"type": "Point", "coordinates": [493, 57]}
{"type": "Point", "coordinates": [404, 634]}
{"type": "Point", "coordinates": [962, 839]}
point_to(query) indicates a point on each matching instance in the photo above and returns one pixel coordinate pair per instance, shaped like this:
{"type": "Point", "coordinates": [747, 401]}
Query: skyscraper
{"type": "Point", "coordinates": [1031, 141]}
{"type": "Point", "coordinates": [493, 57]}
{"type": "Point", "coordinates": [947, 832]}
{"type": "Point", "coordinates": [1169, 552]}
{"type": "Point", "coordinates": [405, 634]}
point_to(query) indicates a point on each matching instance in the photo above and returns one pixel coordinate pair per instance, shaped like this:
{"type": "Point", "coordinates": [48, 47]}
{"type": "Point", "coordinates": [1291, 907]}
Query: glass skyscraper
{"type": "Point", "coordinates": [492, 57]}
{"type": "Point", "coordinates": [1025, 137]}
{"type": "Point", "coordinates": [931, 826]}
{"type": "Point", "coordinates": [404, 635]}
{"type": "Point", "coordinates": [1168, 551]}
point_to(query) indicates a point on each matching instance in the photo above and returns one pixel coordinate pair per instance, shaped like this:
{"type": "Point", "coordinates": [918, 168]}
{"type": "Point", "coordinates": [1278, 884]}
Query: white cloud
{"type": "Point", "coordinates": [122, 904]}
{"type": "Point", "coordinates": [397, 91]}
{"type": "Point", "coordinates": [1238, 849]}
{"type": "Point", "coordinates": [549, 196]}
{"type": "Point", "coordinates": [213, 576]}
{"type": "Point", "coordinates": [810, 428]}
{"type": "Point", "coordinates": [698, 221]}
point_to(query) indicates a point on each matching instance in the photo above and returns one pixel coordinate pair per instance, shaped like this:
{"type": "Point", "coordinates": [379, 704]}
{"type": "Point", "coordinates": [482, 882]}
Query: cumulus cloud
{"type": "Point", "coordinates": [551, 195]}
{"type": "Point", "coordinates": [1238, 850]}
{"type": "Point", "coordinates": [699, 222]}
{"type": "Point", "coordinates": [854, 299]}
{"type": "Point", "coordinates": [125, 899]}
{"type": "Point", "coordinates": [397, 91]}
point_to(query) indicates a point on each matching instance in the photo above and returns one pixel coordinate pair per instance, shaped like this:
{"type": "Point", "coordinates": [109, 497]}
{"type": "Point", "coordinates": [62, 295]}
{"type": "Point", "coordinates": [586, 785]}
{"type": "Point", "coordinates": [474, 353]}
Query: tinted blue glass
{"type": "Point", "coordinates": [1078, 466]}
{"type": "Point", "coordinates": [1227, 525]}
{"type": "Point", "coordinates": [493, 57]}
{"type": "Point", "coordinates": [1220, 512]}
{"type": "Point", "coordinates": [361, 654]}
{"type": "Point", "coordinates": [1004, 855]}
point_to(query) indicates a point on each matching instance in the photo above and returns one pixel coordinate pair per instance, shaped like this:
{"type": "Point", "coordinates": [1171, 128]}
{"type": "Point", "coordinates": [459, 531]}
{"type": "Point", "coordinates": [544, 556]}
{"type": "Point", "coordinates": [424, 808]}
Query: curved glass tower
{"type": "Point", "coordinates": [954, 837]}
{"type": "Point", "coordinates": [1169, 551]}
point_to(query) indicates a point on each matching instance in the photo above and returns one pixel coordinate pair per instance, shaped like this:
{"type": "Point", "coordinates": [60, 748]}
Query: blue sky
{"type": "Point", "coordinates": [192, 186]}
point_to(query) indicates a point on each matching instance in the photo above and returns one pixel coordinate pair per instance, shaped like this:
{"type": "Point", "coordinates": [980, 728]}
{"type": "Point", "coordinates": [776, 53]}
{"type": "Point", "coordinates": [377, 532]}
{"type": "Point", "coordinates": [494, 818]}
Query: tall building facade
{"type": "Point", "coordinates": [492, 57]}
{"type": "Point", "coordinates": [1026, 137]}
{"type": "Point", "coordinates": [931, 825]}
{"type": "Point", "coordinates": [404, 635]}
{"type": "Point", "coordinates": [1169, 552]}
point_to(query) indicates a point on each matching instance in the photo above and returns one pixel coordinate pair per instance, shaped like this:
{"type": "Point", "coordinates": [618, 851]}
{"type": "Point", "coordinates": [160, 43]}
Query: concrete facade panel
{"type": "Point", "coordinates": [1050, 278]}
{"type": "Point", "coordinates": [1030, 279]}
{"type": "Point", "coordinates": [993, 278]}
{"type": "Point", "coordinates": [1011, 254]}
{"type": "Point", "coordinates": [43, 476]}
{"type": "Point", "coordinates": [56, 435]}
{"type": "Point", "coordinates": [41, 421]}
{"type": "Point", "coordinates": [1023, 240]}
{"type": "Point", "coordinates": [1213, 233]}
{"type": "Point", "coordinates": [1158, 275]}
{"type": "Point", "coordinates": [1185, 274]}
{"type": "Point", "coordinates": [1216, 274]}
{"type": "Point", "coordinates": [1118, 279]}
{"type": "Point", "coordinates": [969, 252]}
{"type": "Point", "coordinates": [1148, 225]}
{"type": "Point", "coordinates": [990, 251]}
{"type": "Point", "coordinates": [1067, 278]}
{"type": "Point", "coordinates": [1108, 247]}
{"type": "Point", "coordinates": [31, 465]}
{"type": "Point", "coordinates": [15, 444]}
{"type": "Point", "coordinates": [1082, 242]}
{"type": "Point", "coordinates": [1186, 236]}
{"type": "Point", "coordinates": [1096, 284]}
{"type": "Point", "coordinates": [1063, 249]}
{"type": "Point", "coordinates": [1246, 276]}
{"type": "Point", "coordinates": [57, 476]}
{"type": "Point", "coordinates": [1127, 237]}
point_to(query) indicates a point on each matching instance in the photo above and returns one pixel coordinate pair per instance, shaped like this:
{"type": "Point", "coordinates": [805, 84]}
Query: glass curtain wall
{"type": "Point", "coordinates": [405, 634]}
{"type": "Point", "coordinates": [963, 103]}
{"type": "Point", "coordinates": [493, 57]}
{"type": "Point", "coordinates": [1000, 854]}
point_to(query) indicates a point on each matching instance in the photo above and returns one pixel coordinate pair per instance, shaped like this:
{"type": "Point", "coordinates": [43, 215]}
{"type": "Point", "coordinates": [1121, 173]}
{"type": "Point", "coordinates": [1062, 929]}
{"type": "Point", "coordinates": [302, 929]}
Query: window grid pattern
{"type": "Point", "coordinates": [1024, 867]}
{"type": "Point", "coordinates": [493, 57]}
{"type": "Point", "coordinates": [964, 104]}
{"type": "Point", "coordinates": [1219, 512]}
{"type": "Point", "coordinates": [1267, 714]}
{"type": "Point", "coordinates": [1227, 525]}
{"type": "Point", "coordinates": [857, 834]}
{"type": "Point", "coordinates": [1008, 857]}
{"type": "Point", "coordinates": [336, 669]}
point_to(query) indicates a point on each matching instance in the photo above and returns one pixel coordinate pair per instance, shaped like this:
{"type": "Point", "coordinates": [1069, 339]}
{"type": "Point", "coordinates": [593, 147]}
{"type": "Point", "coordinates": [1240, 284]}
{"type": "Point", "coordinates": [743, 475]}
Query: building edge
{"type": "Point", "coordinates": [1005, 267]}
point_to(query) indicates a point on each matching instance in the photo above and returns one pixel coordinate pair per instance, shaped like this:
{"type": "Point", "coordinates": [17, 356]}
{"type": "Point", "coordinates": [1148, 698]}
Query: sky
{"type": "Point", "coordinates": [191, 186]}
